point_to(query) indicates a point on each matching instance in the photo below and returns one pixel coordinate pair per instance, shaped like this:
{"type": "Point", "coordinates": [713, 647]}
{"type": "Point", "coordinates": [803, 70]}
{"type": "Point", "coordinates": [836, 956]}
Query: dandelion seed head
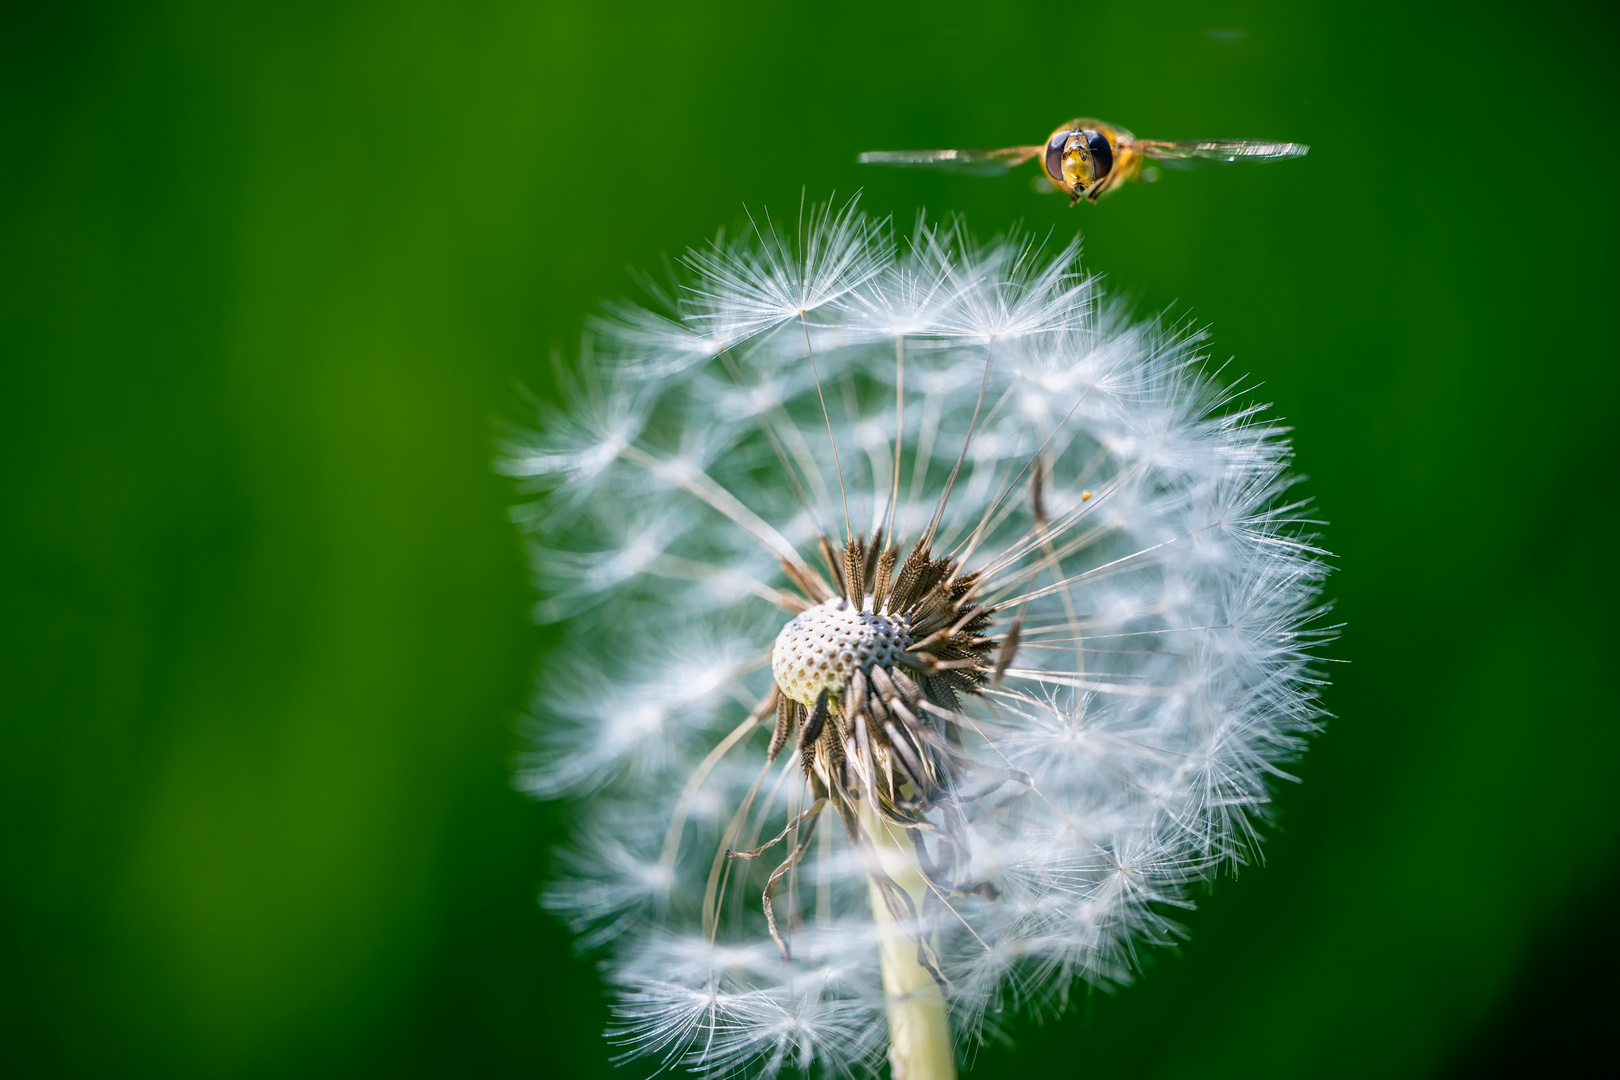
{"type": "Point", "coordinates": [922, 535]}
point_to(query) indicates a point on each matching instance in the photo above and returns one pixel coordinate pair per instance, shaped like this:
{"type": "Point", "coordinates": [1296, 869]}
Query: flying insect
{"type": "Point", "coordinates": [1087, 158]}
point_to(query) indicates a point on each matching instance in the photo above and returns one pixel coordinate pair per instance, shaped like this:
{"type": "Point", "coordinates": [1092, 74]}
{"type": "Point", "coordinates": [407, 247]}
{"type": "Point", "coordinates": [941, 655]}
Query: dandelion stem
{"type": "Point", "coordinates": [920, 1045]}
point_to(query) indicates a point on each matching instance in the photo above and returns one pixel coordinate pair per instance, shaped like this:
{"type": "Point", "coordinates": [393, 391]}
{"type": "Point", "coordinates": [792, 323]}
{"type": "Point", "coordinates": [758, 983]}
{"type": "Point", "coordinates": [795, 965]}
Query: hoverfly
{"type": "Point", "coordinates": [1086, 158]}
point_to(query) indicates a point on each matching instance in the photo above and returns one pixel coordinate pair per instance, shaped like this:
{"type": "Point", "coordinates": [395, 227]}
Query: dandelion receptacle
{"type": "Point", "coordinates": [932, 628]}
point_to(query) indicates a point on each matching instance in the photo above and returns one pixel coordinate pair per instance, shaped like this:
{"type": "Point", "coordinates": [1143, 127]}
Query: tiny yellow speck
{"type": "Point", "coordinates": [1084, 495]}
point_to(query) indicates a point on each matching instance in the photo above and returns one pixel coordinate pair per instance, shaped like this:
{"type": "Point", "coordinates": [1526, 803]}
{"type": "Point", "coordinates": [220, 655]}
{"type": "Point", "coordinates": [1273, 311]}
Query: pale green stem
{"type": "Point", "coordinates": [920, 1045]}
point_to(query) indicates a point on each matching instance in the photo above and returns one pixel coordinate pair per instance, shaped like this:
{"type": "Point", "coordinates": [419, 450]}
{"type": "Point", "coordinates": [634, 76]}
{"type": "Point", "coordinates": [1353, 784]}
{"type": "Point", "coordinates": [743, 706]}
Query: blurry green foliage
{"type": "Point", "coordinates": [267, 277]}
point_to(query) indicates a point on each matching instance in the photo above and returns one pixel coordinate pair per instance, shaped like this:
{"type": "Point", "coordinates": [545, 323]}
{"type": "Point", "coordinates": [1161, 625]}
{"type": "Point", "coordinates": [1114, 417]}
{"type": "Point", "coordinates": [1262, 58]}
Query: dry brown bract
{"type": "Point", "coordinates": [883, 726]}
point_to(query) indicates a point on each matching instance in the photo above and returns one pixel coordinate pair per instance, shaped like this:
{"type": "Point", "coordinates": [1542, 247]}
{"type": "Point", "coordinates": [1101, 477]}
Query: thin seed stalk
{"type": "Point", "coordinates": [920, 1044]}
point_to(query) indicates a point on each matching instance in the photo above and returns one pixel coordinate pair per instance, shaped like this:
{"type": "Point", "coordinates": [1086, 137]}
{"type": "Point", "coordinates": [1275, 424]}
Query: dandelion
{"type": "Point", "coordinates": [932, 629]}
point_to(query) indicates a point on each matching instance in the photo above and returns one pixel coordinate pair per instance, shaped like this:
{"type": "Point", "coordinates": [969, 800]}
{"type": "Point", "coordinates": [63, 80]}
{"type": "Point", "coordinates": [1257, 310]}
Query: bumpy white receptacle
{"type": "Point", "coordinates": [821, 648]}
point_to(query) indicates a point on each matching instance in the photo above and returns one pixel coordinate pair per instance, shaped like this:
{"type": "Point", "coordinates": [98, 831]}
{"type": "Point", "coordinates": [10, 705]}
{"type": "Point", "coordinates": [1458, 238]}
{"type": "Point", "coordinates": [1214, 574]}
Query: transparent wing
{"type": "Point", "coordinates": [1197, 153]}
{"type": "Point", "coordinates": [970, 162]}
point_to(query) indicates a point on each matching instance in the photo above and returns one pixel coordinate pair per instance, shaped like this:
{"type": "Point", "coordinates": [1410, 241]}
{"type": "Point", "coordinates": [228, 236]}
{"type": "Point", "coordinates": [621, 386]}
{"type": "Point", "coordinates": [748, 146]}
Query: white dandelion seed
{"type": "Point", "coordinates": [933, 628]}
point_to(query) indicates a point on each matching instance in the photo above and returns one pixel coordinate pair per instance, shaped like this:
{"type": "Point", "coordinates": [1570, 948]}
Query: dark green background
{"type": "Point", "coordinates": [269, 274]}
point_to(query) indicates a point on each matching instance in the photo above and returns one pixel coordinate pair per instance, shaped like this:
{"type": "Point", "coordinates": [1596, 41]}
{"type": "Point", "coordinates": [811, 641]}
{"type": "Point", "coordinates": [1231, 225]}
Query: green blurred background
{"type": "Point", "coordinates": [269, 275]}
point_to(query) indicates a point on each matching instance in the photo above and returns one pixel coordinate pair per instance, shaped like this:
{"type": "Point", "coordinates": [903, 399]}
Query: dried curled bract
{"type": "Point", "coordinates": [872, 678]}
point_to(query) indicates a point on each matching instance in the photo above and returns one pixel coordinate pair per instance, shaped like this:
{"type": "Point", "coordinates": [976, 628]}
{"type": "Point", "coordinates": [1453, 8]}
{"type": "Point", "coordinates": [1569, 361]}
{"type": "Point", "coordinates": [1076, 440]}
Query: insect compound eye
{"type": "Point", "coordinates": [1054, 157]}
{"type": "Point", "coordinates": [1102, 155]}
